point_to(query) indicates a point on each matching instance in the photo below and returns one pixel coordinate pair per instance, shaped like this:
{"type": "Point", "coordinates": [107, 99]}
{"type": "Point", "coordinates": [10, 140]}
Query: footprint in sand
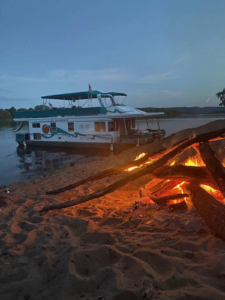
{"type": "Point", "coordinates": [88, 262]}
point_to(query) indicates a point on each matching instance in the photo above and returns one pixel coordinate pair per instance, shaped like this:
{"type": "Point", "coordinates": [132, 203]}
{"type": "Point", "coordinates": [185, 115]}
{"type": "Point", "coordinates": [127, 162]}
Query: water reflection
{"type": "Point", "coordinates": [19, 164]}
{"type": "Point", "coordinates": [38, 160]}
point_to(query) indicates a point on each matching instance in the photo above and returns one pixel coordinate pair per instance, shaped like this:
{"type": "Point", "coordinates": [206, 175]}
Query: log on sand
{"type": "Point", "coordinates": [134, 175]}
{"type": "Point", "coordinates": [211, 210]}
{"type": "Point", "coordinates": [214, 166]}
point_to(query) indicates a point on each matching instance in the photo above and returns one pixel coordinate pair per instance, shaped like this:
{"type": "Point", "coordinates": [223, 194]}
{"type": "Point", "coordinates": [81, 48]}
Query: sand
{"type": "Point", "coordinates": [115, 247]}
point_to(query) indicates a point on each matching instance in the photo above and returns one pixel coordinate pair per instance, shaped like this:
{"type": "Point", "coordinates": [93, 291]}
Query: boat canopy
{"type": "Point", "coordinates": [82, 95]}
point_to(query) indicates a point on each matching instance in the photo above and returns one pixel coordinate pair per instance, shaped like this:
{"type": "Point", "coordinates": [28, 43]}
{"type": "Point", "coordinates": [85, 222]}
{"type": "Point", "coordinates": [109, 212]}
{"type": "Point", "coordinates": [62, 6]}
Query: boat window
{"type": "Point", "coordinates": [37, 136]}
{"type": "Point", "coordinates": [70, 126]}
{"type": "Point", "coordinates": [36, 125]}
{"type": "Point", "coordinates": [53, 127]}
{"type": "Point", "coordinates": [112, 126]}
{"type": "Point", "coordinates": [100, 126]}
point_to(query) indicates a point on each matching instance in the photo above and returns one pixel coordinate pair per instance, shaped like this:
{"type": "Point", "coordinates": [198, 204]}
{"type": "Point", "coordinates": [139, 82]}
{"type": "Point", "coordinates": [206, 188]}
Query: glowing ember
{"type": "Point", "coordinates": [215, 193]}
{"type": "Point", "coordinates": [151, 160]}
{"type": "Point", "coordinates": [139, 156]}
{"type": "Point", "coordinates": [132, 168]}
{"type": "Point", "coordinates": [223, 162]}
{"type": "Point", "coordinates": [179, 186]}
{"type": "Point", "coordinates": [172, 163]}
{"type": "Point", "coordinates": [170, 202]}
{"type": "Point", "coordinates": [180, 189]}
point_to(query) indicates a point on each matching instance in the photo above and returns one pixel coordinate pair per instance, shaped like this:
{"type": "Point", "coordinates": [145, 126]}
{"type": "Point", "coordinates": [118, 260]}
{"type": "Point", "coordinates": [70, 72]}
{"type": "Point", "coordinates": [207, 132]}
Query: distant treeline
{"type": "Point", "coordinates": [7, 115]}
{"type": "Point", "coordinates": [172, 111]}
{"type": "Point", "coordinates": [167, 112]}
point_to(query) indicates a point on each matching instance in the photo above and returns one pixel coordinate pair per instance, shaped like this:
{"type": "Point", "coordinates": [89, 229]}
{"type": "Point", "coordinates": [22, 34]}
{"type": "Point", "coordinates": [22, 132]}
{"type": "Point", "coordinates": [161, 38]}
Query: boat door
{"type": "Point", "coordinates": [125, 126]}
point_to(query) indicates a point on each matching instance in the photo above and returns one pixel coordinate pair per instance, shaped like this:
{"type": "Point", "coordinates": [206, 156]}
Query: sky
{"type": "Point", "coordinates": [161, 53]}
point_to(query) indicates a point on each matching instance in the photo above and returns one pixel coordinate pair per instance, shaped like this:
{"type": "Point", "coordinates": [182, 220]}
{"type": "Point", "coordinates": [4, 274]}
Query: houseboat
{"type": "Point", "coordinates": [110, 124]}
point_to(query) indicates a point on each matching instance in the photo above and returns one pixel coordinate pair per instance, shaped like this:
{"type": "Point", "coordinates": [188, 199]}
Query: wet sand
{"type": "Point", "coordinates": [115, 247]}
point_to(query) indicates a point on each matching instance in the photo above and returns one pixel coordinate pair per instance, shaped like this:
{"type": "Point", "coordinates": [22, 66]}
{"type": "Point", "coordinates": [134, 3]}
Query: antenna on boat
{"type": "Point", "coordinates": [91, 91]}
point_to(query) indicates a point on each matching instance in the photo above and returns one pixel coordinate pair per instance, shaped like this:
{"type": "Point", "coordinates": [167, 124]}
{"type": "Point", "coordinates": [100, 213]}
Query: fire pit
{"type": "Point", "coordinates": [175, 179]}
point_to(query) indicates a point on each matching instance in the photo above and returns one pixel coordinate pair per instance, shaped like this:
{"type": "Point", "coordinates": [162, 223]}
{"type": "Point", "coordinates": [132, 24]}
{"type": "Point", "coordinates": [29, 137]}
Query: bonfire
{"type": "Point", "coordinates": [175, 179]}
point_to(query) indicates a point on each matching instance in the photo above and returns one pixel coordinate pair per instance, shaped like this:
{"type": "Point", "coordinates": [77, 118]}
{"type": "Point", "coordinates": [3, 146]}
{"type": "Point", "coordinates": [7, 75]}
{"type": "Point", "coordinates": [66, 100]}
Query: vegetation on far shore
{"type": "Point", "coordinates": [7, 115]}
{"type": "Point", "coordinates": [167, 112]}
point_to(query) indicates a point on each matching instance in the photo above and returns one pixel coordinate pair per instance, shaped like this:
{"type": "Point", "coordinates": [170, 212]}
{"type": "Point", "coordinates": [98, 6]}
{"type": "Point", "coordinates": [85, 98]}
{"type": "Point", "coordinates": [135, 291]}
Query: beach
{"type": "Point", "coordinates": [119, 246]}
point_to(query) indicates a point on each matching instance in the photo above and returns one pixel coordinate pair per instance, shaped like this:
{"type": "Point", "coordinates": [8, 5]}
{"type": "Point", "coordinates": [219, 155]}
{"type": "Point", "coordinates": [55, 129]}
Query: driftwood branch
{"type": "Point", "coordinates": [211, 210]}
{"type": "Point", "coordinates": [134, 175]}
{"type": "Point", "coordinates": [214, 166]}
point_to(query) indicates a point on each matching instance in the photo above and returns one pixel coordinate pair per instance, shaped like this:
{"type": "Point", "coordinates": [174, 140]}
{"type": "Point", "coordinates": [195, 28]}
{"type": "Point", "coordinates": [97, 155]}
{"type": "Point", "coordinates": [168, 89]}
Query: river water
{"type": "Point", "coordinates": [18, 164]}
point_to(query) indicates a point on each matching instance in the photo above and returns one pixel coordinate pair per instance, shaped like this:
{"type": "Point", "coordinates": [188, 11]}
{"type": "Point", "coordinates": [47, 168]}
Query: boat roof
{"type": "Point", "coordinates": [81, 95]}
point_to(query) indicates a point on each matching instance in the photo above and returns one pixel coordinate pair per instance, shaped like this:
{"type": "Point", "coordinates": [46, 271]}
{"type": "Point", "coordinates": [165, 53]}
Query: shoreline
{"type": "Point", "coordinates": [115, 247]}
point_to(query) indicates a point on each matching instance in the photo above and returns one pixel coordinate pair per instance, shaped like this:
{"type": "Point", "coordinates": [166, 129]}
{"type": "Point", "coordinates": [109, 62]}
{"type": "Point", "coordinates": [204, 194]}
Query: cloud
{"type": "Point", "coordinates": [172, 94]}
{"type": "Point", "coordinates": [24, 79]}
{"type": "Point", "coordinates": [32, 79]}
{"type": "Point", "coordinates": [2, 90]}
{"type": "Point", "coordinates": [9, 99]}
{"type": "Point", "coordinates": [179, 60]}
{"type": "Point", "coordinates": [153, 78]}
{"type": "Point", "coordinates": [102, 75]}
{"type": "Point", "coordinates": [71, 76]}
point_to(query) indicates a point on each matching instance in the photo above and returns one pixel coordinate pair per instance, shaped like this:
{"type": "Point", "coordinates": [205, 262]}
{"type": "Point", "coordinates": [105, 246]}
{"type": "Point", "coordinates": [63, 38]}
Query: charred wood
{"type": "Point", "coordinates": [165, 189]}
{"type": "Point", "coordinates": [180, 205]}
{"type": "Point", "coordinates": [163, 199]}
{"type": "Point", "coordinates": [214, 166]}
{"type": "Point", "coordinates": [211, 210]}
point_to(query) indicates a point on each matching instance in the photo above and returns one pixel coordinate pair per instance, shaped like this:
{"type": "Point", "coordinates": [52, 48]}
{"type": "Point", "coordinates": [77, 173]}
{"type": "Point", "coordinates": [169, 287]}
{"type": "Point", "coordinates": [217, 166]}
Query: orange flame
{"type": "Point", "coordinates": [194, 161]}
{"type": "Point", "coordinates": [181, 190]}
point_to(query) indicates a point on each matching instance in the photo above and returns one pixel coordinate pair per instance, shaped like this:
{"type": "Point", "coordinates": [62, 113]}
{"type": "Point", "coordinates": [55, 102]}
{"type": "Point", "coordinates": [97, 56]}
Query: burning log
{"type": "Point", "coordinates": [148, 169]}
{"type": "Point", "coordinates": [180, 205]}
{"type": "Point", "coordinates": [166, 187]}
{"type": "Point", "coordinates": [120, 169]}
{"type": "Point", "coordinates": [198, 175]}
{"type": "Point", "coordinates": [214, 166]}
{"type": "Point", "coordinates": [182, 172]}
{"type": "Point", "coordinates": [211, 210]}
{"type": "Point", "coordinates": [157, 186]}
{"type": "Point", "coordinates": [163, 199]}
